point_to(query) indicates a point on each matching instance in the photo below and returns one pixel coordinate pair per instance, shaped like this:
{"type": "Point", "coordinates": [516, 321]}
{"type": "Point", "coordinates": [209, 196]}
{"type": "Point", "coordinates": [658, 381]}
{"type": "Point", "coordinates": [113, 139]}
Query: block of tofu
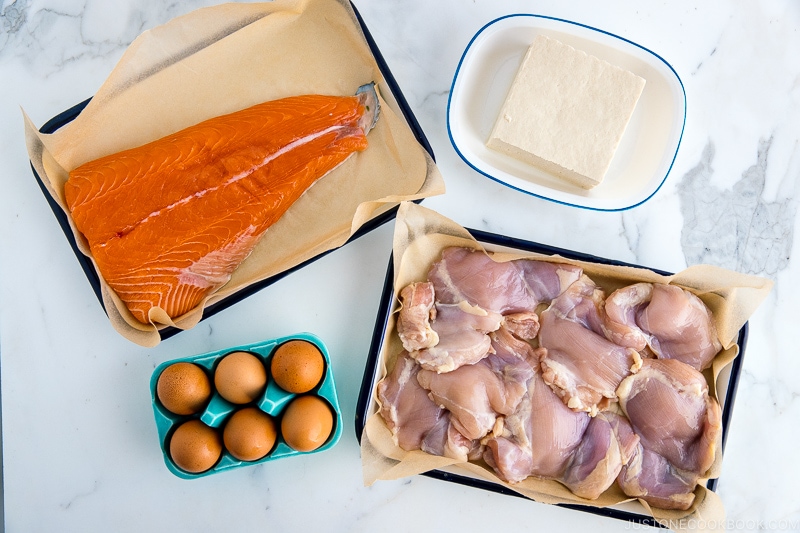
{"type": "Point", "coordinates": [566, 112]}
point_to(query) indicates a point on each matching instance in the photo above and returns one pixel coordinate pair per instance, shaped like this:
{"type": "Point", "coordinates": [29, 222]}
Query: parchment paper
{"type": "Point", "coordinates": [419, 238]}
{"type": "Point", "coordinates": [221, 59]}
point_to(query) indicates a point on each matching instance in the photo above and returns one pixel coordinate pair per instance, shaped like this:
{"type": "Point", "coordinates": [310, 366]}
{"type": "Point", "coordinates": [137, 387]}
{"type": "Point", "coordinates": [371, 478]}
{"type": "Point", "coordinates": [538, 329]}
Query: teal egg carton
{"type": "Point", "coordinates": [273, 401]}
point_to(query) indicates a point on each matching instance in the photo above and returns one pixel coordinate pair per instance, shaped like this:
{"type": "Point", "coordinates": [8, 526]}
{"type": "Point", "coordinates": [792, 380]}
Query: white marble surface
{"type": "Point", "coordinates": [80, 450]}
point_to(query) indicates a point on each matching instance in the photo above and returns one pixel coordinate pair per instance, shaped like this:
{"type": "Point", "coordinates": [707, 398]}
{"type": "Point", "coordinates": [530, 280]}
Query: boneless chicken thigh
{"type": "Point", "coordinates": [546, 439]}
{"type": "Point", "coordinates": [681, 326]}
{"type": "Point", "coordinates": [442, 337]}
{"type": "Point", "coordinates": [650, 476]}
{"type": "Point", "coordinates": [416, 422]}
{"type": "Point", "coordinates": [462, 330]}
{"type": "Point", "coordinates": [668, 405]}
{"type": "Point", "coordinates": [673, 322]}
{"type": "Point", "coordinates": [443, 323]}
{"type": "Point", "coordinates": [507, 287]}
{"type": "Point", "coordinates": [476, 394]}
{"type": "Point", "coordinates": [597, 461]}
{"type": "Point", "coordinates": [538, 439]}
{"type": "Point", "coordinates": [414, 320]}
{"type": "Point", "coordinates": [581, 365]}
{"type": "Point", "coordinates": [406, 408]}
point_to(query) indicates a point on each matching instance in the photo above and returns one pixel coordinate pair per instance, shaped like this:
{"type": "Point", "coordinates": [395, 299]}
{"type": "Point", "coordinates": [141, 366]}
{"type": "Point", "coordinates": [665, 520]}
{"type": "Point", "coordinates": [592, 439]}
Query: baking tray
{"type": "Point", "coordinates": [728, 380]}
{"type": "Point", "coordinates": [70, 114]}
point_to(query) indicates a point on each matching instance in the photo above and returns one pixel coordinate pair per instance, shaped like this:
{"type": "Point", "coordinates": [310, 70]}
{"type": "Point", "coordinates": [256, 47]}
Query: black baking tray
{"type": "Point", "coordinates": [91, 273]}
{"type": "Point", "coordinates": [384, 310]}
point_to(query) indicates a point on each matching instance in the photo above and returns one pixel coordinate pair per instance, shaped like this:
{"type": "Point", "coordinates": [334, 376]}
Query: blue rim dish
{"type": "Point", "coordinates": [578, 24]}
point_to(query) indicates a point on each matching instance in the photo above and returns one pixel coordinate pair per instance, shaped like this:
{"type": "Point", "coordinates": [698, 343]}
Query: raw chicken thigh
{"type": "Point", "coordinates": [414, 321]}
{"type": "Point", "coordinates": [509, 287]}
{"type": "Point", "coordinates": [581, 365]}
{"type": "Point", "coordinates": [649, 476]}
{"type": "Point", "coordinates": [668, 405]}
{"type": "Point", "coordinates": [546, 439]}
{"type": "Point", "coordinates": [672, 321]}
{"type": "Point", "coordinates": [538, 438]}
{"type": "Point", "coordinates": [416, 422]}
{"type": "Point", "coordinates": [679, 427]}
{"type": "Point", "coordinates": [597, 460]}
{"type": "Point", "coordinates": [476, 394]}
{"type": "Point", "coordinates": [446, 441]}
{"type": "Point", "coordinates": [462, 330]}
{"type": "Point", "coordinates": [406, 408]}
{"type": "Point", "coordinates": [443, 323]}
{"type": "Point", "coordinates": [456, 336]}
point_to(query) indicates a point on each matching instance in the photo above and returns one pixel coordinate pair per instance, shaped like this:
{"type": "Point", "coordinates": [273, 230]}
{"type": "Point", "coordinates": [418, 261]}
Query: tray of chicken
{"type": "Point", "coordinates": [548, 380]}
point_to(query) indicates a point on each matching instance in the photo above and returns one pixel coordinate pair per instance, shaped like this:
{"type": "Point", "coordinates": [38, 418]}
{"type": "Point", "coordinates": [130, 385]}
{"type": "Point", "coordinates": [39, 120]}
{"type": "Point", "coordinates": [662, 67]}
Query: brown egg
{"type": "Point", "coordinates": [240, 377]}
{"type": "Point", "coordinates": [249, 434]}
{"type": "Point", "coordinates": [195, 447]}
{"type": "Point", "coordinates": [183, 388]}
{"type": "Point", "coordinates": [307, 423]}
{"type": "Point", "coordinates": [297, 366]}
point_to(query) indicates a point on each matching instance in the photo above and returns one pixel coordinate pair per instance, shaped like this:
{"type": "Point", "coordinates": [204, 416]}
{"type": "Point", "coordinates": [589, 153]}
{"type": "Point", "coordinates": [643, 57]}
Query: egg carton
{"type": "Point", "coordinates": [273, 402]}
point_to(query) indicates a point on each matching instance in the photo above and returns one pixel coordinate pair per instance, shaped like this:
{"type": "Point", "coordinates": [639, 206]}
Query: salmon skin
{"type": "Point", "coordinates": [168, 222]}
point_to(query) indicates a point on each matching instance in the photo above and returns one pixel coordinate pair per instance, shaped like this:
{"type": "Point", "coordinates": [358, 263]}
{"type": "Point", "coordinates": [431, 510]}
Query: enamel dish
{"type": "Point", "coordinates": [648, 147]}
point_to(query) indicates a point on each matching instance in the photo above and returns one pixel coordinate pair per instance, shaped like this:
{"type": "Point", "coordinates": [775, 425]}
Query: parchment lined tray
{"type": "Point", "coordinates": [91, 273]}
{"type": "Point", "coordinates": [646, 152]}
{"type": "Point", "coordinates": [727, 382]}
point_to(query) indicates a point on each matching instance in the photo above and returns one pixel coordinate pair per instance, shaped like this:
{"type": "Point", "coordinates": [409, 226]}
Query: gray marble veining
{"type": "Point", "coordinates": [736, 228]}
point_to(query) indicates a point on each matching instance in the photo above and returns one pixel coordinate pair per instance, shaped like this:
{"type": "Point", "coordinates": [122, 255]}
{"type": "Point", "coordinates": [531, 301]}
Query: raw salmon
{"type": "Point", "coordinates": [168, 222]}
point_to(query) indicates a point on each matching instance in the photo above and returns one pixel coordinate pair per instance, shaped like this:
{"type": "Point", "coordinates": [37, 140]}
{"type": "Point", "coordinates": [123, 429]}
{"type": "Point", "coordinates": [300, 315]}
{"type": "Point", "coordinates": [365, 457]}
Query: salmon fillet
{"type": "Point", "coordinates": [168, 222]}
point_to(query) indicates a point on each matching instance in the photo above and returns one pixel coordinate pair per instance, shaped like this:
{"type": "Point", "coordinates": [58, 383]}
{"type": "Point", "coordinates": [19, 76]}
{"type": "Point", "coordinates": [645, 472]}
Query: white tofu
{"type": "Point", "coordinates": [566, 112]}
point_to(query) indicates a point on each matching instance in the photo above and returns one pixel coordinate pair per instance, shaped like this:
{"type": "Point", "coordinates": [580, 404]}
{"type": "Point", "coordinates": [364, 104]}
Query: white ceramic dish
{"type": "Point", "coordinates": [646, 152]}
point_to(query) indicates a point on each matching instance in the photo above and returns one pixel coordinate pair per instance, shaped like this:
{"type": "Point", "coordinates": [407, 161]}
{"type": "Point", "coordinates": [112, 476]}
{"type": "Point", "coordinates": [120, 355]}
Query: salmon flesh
{"type": "Point", "coordinates": [168, 222]}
